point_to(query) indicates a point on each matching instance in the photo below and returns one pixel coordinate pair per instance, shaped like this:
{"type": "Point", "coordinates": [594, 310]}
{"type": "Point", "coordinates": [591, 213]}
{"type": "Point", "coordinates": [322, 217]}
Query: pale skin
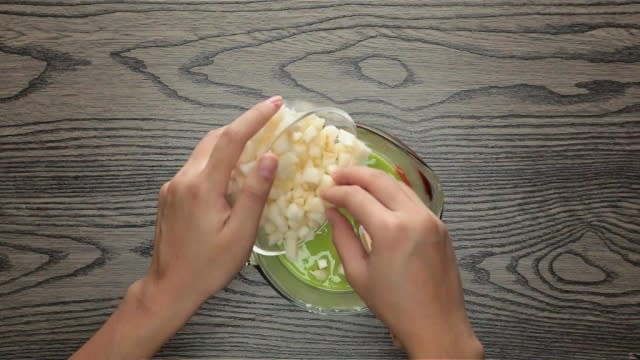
{"type": "Point", "coordinates": [410, 279]}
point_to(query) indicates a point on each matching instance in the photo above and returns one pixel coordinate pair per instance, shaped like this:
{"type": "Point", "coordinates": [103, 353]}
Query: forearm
{"type": "Point", "coordinates": [146, 319]}
{"type": "Point", "coordinates": [470, 348]}
{"type": "Point", "coordinates": [451, 342]}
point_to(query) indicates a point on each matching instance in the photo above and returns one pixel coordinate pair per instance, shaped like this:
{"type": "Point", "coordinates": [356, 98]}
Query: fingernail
{"type": "Point", "coordinates": [276, 101]}
{"type": "Point", "coordinates": [267, 166]}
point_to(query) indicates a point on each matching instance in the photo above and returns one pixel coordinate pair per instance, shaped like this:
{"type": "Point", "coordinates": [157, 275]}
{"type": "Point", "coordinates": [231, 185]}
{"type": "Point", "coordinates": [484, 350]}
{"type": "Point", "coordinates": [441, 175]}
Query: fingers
{"type": "Point", "coordinates": [349, 248]}
{"type": "Point", "coordinates": [200, 153]}
{"type": "Point", "coordinates": [247, 210]}
{"type": "Point", "coordinates": [226, 152]}
{"type": "Point", "coordinates": [358, 202]}
{"type": "Point", "coordinates": [378, 183]}
{"type": "Point", "coordinates": [411, 194]}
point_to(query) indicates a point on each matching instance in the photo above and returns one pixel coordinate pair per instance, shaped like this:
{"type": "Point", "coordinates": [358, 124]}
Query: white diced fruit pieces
{"type": "Point", "coordinates": [331, 133]}
{"type": "Point", "coordinates": [316, 217]}
{"type": "Point", "coordinates": [282, 203]}
{"type": "Point", "coordinates": [313, 121]}
{"type": "Point", "coordinates": [346, 138]}
{"type": "Point", "coordinates": [361, 152]}
{"type": "Point", "coordinates": [300, 149]}
{"type": "Point", "coordinates": [325, 182]}
{"type": "Point", "coordinates": [310, 133]}
{"type": "Point", "coordinates": [305, 233]}
{"type": "Point", "coordinates": [315, 151]}
{"type": "Point", "coordinates": [287, 165]}
{"type": "Point", "coordinates": [322, 263]}
{"type": "Point", "coordinates": [288, 159]}
{"type": "Point", "coordinates": [328, 159]}
{"type": "Point", "coordinates": [281, 145]}
{"type": "Point", "coordinates": [294, 212]}
{"type": "Point", "coordinates": [314, 205]}
{"type": "Point", "coordinates": [274, 238]}
{"type": "Point", "coordinates": [344, 160]}
{"type": "Point", "coordinates": [312, 175]}
{"type": "Point", "coordinates": [297, 192]}
{"type": "Point", "coordinates": [291, 245]}
{"type": "Point", "coordinates": [269, 227]}
{"type": "Point", "coordinates": [246, 168]}
{"type": "Point", "coordinates": [309, 152]}
{"type": "Point", "coordinates": [247, 155]}
{"type": "Point", "coordinates": [320, 274]}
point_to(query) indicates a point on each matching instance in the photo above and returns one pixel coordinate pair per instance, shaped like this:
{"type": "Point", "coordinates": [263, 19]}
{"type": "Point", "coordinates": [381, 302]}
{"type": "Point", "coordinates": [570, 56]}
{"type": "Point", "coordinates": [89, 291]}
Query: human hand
{"type": "Point", "coordinates": [201, 242]}
{"type": "Point", "coordinates": [410, 279]}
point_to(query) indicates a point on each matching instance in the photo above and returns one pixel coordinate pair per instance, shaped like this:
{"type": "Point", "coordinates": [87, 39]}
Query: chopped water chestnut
{"type": "Point", "coordinates": [308, 152]}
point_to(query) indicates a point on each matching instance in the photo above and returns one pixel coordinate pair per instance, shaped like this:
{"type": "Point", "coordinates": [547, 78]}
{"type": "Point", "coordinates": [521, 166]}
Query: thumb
{"type": "Point", "coordinates": [247, 210]}
{"type": "Point", "coordinates": [349, 248]}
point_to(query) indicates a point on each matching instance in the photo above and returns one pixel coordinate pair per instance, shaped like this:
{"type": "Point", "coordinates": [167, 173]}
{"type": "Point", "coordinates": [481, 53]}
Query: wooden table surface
{"type": "Point", "coordinates": [530, 114]}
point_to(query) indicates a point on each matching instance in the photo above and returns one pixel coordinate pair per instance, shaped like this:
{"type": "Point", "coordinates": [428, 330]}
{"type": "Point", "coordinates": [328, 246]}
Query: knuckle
{"type": "Point", "coordinates": [441, 229]}
{"type": "Point", "coordinates": [216, 131]}
{"type": "Point", "coordinates": [164, 189]}
{"type": "Point", "coordinates": [177, 182]}
{"type": "Point", "coordinates": [193, 188]}
{"type": "Point", "coordinates": [184, 186]}
{"type": "Point", "coordinates": [231, 134]}
{"type": "Point", "coordinates": [396, 225]}
{"type": "Point", "coordinates": [212, 134]}
{"type": "Point", "coordinates": [173, 189]}
{"type": "Point", "coordinates": [356, 194]}
{"type": "Point", "coordinates": [432, 227]}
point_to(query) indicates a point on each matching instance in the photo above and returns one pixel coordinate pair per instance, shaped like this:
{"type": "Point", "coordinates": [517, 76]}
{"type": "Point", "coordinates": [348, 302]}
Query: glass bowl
{"type": "Point", "coordinates": [409, 168]}
{"type": "Point", "coordinates": [332, 117]}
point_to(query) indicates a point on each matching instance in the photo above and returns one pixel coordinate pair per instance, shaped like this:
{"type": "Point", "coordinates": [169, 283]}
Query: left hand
{"type": "Point", "coordinates": [201, 242]}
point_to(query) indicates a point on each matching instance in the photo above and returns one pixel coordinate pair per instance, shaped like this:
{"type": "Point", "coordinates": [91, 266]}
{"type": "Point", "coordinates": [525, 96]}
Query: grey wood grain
{"type": "Point", "coordinates": [528, 111]}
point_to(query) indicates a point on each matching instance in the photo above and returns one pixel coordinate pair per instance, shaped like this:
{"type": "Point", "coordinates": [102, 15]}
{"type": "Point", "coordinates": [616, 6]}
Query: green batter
{"type": "Point", "coordinates": [321, 247]}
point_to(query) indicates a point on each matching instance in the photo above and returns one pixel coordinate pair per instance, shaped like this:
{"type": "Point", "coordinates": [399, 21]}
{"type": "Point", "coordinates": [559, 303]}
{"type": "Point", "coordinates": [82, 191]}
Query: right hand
{"type": "Point", "coordinates": [410, 279]}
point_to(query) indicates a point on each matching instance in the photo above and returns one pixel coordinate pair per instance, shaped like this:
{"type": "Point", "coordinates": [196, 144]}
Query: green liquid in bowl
{"type": "Point", "coordinates": [321, 247]}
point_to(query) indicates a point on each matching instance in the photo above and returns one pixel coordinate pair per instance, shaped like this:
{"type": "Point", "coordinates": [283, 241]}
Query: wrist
{"type": "Point", "coordinates": [145, 319]}
{"type": "Point", "coordinates": [148, 316]}
{"type": "Point", "coordinates": [162, 301]}
{"type": "Point", "coordinates": [448, 343]}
